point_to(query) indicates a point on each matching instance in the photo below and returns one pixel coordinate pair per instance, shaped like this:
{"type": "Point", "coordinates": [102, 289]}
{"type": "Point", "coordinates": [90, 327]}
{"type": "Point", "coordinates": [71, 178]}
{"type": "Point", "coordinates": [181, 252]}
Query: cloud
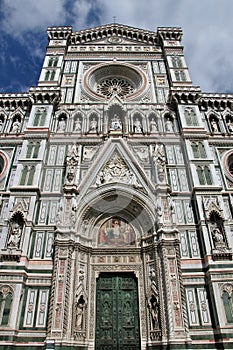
{"type": "Point", "coordinates": [207, 28]}
{"type": "Point", "coordinates": [20, 16]}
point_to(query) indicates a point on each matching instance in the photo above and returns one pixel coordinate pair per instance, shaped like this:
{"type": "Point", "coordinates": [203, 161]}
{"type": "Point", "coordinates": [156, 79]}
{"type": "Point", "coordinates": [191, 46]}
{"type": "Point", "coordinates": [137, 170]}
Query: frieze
{"type": "Point", "coordinates": [116, 48]}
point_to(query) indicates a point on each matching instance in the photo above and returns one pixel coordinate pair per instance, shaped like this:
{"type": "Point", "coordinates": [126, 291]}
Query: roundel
{"type": "Point", "coordinates": [114, 79]}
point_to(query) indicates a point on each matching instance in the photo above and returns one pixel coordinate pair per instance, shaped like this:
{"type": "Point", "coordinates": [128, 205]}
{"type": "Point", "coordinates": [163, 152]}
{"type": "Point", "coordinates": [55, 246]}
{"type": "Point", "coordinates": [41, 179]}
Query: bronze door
{"type": "Point", "coordinates": [117, 317]}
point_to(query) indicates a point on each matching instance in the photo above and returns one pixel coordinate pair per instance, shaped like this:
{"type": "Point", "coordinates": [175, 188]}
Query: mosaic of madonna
{"type": "Point", "coordinates": [116, 232]}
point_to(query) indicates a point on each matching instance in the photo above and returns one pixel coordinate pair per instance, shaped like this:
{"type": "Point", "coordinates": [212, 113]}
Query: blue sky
{"type": "Point", "coordinates": [207, 39]}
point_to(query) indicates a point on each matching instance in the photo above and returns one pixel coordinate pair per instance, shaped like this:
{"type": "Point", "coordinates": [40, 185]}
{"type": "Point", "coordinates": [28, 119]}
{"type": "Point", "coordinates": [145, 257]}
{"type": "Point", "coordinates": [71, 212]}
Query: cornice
{"type": "Point", "coordinates": [59, 33]}
{"type": "Point", "coordinates": [170, 33]}
{"type": "Point", "coordinates": [114, 30]}
{"type": "Point", "coordinates": [216, 101]}
{"type": "Point", "coordinates": [15, 100]}
{"type": "Point", "coordinates": [185, 95]}
{"type": "Point", "coordinates": [44, 95]}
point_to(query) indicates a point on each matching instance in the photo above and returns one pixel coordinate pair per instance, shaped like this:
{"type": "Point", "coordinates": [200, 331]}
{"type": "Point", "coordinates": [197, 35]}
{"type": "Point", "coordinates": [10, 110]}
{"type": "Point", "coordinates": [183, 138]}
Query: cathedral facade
{"type": "Point", "coordinates": [116, 183]}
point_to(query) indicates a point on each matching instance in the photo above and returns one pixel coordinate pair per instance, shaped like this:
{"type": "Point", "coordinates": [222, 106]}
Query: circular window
{"type": "Point", "coordinates": [115, 80]}
{"type": "Point", "coordinates": [3, 164]}
{"type": "Point", "coordinates": [228, 164]}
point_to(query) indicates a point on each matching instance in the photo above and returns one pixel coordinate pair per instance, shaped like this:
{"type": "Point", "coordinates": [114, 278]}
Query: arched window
{"type": "Point", "coordinates": [50, 75]}
{"type": "Point", "coordinates": [40, 115]}
{"type": "Point", "coordinates": [5, 305]}
{"type": "Point", "coordinates": [204, 175]}
{"type": "Point", "coordinates": [198, 150]}
{"type": "Point", "coordinates": [227, 298]}
{"type": "Point", "coordinates": [176, 62]}
{"type": "Point", "coordinates": [27, 175]}
{"type": "Point", "coordinates": [33, 150]}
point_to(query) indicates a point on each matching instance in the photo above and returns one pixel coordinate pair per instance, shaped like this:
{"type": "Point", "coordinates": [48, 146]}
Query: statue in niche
{"type": "Point", "coordinates": [153, 126]}
{"type": "Point", "coordinates": [15, 235]}
{"type": "Point", "coordinates": [72, 159]}
{"type": "Point", "coordinates": [137, 126]}
{"type": "Point", "coordinates": [72, 156]}
{"type": "Point", "coordinates": [217, 235]}
{"type": "Point", "coordinates": [80, 313]}
{"type": "Point", "coordinates": [78, 125]}
{"type": "Point", "coordinates": [16, 126]}
{"type": "Point", "coordinates": [214, 125]}
{"type": "Point", "coordinates": [115, 123]}
{"type": "Point", "coordinates": [153, 302]}
{"type": "Point", "coordinates": [61, 124]}
{"type": "Point", "coordinates": [230, 125]}
{"type": "Point", "coordinates": [1, 124]}
{"type": "Point", "coordinates": [93, 125]}
{"type": "Point", "coordinates": [168, 125]}
{"type": "Point", "coordinates": [160, 161]}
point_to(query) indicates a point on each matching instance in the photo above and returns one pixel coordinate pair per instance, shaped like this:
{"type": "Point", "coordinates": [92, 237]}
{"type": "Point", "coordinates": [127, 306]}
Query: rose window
{"type": "Point", "coordinates": [109, 80]}
{"type": "Point", "coordinates": [115, 86]}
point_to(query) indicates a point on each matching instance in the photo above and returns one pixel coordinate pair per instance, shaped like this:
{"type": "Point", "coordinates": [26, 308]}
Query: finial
{"type": "Point", "coordinates": [114, 19]}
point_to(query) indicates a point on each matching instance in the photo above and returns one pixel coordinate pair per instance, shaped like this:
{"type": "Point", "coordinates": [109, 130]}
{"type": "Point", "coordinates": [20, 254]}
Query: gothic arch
{"type": "Point", "coordinates": [107, 202]}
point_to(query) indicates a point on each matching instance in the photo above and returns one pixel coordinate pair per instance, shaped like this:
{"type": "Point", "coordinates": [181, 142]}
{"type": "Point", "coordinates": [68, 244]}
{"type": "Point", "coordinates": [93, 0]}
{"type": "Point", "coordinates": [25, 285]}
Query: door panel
{"type": "Point", "coordinates": [117, 318]}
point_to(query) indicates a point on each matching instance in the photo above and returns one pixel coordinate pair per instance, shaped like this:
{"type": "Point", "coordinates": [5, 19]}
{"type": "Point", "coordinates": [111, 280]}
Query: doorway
{"type": "Point", "coordinates": [117, 313]}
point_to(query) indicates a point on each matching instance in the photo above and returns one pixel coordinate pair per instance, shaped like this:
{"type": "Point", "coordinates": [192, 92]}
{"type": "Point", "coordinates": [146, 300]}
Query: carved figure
{"type": "Point", "coordinates": [137, 126]}
{"type": "Point", "coordinates": [15, 235]}
{"type": "Point", "coordinates": [89, 152]}
{"type": "Point", "coordinates": [1, 125]}
{"type": "Point", "coordinates": [116, 171]}
{"type": "Point", "coordinates": [160, 161]}
{"type": "Point", "coordinates": [153, 126]}
{"type": "Point", "coordinates": [214, 125]}
{"type": "Point", "coordinates": [93, 125]}
{"type": "Point", "coordinates": [16, 126]}
{"type": "Point", "coordinates": [115, 123]}
{"type": "Point", "coordinates": [168, 125]}
{"type": "Point", "coordinates": [217, 236]}
{"type": "Point", "coordinates": [230, 125]}
{"type": "Point", "coordinates": [77, 125]}
{"type": "Point", "coordinates": [72, 156]}
{"type": "Point", "coordinates": [80, 313]}
{"type": "Point", "coordinates": [61, 125]}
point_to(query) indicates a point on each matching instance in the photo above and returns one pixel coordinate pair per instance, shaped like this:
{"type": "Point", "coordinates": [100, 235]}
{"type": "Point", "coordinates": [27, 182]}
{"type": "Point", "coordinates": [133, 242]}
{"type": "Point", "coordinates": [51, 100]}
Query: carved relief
{"type": "Point", "coordinates": [116, 170]}
{"type": "Point", "coordinates": [160, 162]}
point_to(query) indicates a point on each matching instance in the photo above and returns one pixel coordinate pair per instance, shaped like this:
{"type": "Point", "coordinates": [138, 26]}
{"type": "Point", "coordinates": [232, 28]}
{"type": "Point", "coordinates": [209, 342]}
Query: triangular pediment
{"type": "Point", "coordinates": [116, 165]}
{"type": "Point", "coordinates": [115, 34]}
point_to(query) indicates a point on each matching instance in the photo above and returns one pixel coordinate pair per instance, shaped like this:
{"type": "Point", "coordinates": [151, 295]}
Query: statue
{"type": "Point", "coordinates": [93, 125]}
{"type": "Point", "coordinates": [217, 235]}
{"type": "Point", "coordinates": [153, 126]}
{"type": "Point", "coordinates": [16, 126]}
{"type": "Point", "coordinates": [115, 123]}
{"type": "Point", "coordinates": [72, 159]}
{"type": "Point", "coordinates": [80, 313]}
{"type": "Point", "coordinates": [72, 156]}
{"type": "Point", "coordinates": [168, 125]}
{"type": "Point", "coordinates": [77, 125]}
{"type": "Point", "coordinates": [230, 125]}
{"type": "Point", "coordinates": [214, 125]}
{"type": "Point", "coordinates": [160, 161]}
{"type": "Point", "coordinates": [1, 125]}
{"type": "Point", "coordinates": [61, 125]}
{"type": "Point", "coordinates": [137, 126]}
{"type": "Point", "coordinates": [15, 235]}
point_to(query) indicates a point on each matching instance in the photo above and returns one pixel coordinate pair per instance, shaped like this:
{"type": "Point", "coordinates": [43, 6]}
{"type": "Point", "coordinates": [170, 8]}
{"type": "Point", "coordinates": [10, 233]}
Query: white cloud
{"type": "Point", "coordinates": [207, 27]}
{"type": "Point", "coordinates": [21, 16]}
